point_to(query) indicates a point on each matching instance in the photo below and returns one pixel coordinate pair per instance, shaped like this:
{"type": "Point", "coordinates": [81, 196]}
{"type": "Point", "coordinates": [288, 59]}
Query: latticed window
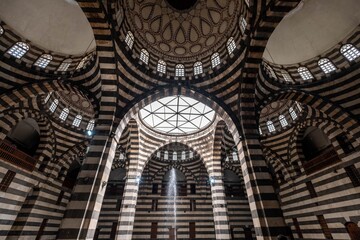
{"type": "Point", "coordinates": [47, 97]}
{"type": "Point", "coordinates": [350, 52]}
{"type": "Point", "coordinates": [179, 70]}
{"type": "Point", "coordinates": [83, 62]}
{"type": "Point", "coordinates": [77, 121]}
{"type": "Point", "coordinates": [283, 121]}
{"type": "Point", "coordinates": [158, 154]}
{"type": "Point", "coordinates": [129, 39]}
{"type": "Point", "coordinates": [54, 105]}
{"type": "Point", "coordinates": [43, 60]}
{"type": "Point", "coordinates": [270, 70]}
{"type": "Point", "coordinates": [161, 66]}
{"type": "Point", "coordinates": [174, 156]}
{"type": "Point", "coordinates": [166, 155]}
{"type": "Point", "coordinates": [90, 125]}
{"type": "Point", "coordinates": [64, 114]}
{"type": "Point", "coordinates": [270, 126]}
{"type": "Point", "coordinates": [292, 113]}
{"type": "Point", "coordinates": [198, 69]}
{"type": "Point", "coordinates": [231, 45]}
{"type": "Point", "coordinates": [305, 74]}
{"type": "Point", "coordinates": [144, 56]}
{"type": "Point", "coordinates": [286, 76]}
{"type": "Point", "coordinates": [64, 65]}
{"type": "Point", "coordinates": [326, 65]}
{"type": "Point", "coordinates": [1, 30]}
{"type": "Point", "coordinates": [183, 155]}
{"type": "Point", "coordinates": [235, 156]}
{"type": "Point", "coordinates": [243, 24]}
{"type": "Point", "coordinates": [215, 60]}
{"type": "Point", "coordinates": [18, 49]}
{"type": "Point", "coordinates": [191, 154]}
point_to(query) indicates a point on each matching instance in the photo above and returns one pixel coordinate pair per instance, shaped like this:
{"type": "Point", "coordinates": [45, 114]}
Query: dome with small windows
{"type": "Point", "coordinates": [182, 30]}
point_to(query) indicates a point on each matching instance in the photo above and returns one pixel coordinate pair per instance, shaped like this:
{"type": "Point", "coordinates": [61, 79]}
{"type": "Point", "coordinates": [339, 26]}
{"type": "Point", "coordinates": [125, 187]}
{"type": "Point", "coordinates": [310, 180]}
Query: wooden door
{"type": "Point", "coordinates": [353, 230]}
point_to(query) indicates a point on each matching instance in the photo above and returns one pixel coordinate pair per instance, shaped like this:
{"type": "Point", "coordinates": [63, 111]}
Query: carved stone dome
{"type": "Point", "coordinates": [171, 32]}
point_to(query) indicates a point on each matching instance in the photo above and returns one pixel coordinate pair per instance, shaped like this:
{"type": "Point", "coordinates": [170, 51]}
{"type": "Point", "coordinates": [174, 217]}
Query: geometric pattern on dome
{"type": "Point", "coordinates": [77, 102]}
{"type": "Point", "coordinates": [179, 34]}
{"type": "Point", "coordinates": [177, 115]}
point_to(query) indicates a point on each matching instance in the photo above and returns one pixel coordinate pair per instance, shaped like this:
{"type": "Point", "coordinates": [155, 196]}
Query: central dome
{"type": "Point", "coordinates": [182, 29]}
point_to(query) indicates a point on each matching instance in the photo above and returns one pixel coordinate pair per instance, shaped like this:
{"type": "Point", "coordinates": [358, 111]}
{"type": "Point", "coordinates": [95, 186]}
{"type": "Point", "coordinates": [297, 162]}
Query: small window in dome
{"type": "Point", "coordinates": [47, 97]}
{"type": "Point", "coordinates": [231, 45]}
{"type": "Point", "coordinates": [292, 113]}
{"type": "Point", "coordinates": [270, 71]}
{"type": "Point", "coordinates": [179, 70]}
{"type": "Point", "coordinates": [260, 132]}
{"type": "Point", "coordinates": [243, 24]}
{"type": "Point", "coordinates": [43, 60]}
{"type": "Point", "coordinates": [1, 30]}
{"type": "Point", "coordinates": [144, 56]}
{"type": "Point", "coordinates": [326, 65]}
{"type": "Point", "coordinates": [83, 62]}
{"type": "Point", "coordinates": [283, 121]}
{"type": "Point", "coordinates": [191, 154]}
{"type": "Point", "coordinates": [286, 76]}
{"type": "Point", "coordinates": [174, 156]}
{"type": "Point", "coordinates": [305, 74]}
{"type": "Point", "coordinates": [64, 114]}
{"type": "Point", "coordinates": [235, 156]}
{"type": "Point", "coordinates": [183, 155]}
{"type": "Point", "coordinates": [270, 126]}
{"type": "Point", "coordinates": [158, 154]}
{"type": "Point", "coordinates": [64, 65]}
{"type": "Point", "coordinates": [90, 125]}
{"type": "Point", "coordinates": [166, 155]}
{"type": "Point", "coordinates": [161, 66]}
{"type": "Point", "coordinates": [18, 49]}
{"type": "Point", "coordinates": [129, 39]}
{"type": "Point", "coordinates": [215, 60]}
{"type": "Point", "coordinates": [198, 69]}
{"type": "Point", "coordinates": [77, 121]}
{"type": "Point", "coordinates": [54, 105]}
{"type": "Point", "coordinates": [350, 52]}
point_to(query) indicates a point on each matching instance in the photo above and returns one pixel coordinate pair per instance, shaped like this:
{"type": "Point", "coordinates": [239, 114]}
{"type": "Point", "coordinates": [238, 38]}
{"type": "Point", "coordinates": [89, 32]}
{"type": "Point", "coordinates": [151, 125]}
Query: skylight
{"type": "Point", "coordinates": [177, 115]}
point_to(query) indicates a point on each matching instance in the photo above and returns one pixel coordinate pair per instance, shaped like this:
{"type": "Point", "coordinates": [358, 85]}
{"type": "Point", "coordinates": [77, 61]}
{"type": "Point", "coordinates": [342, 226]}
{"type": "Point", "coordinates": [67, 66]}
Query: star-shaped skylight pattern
{"type": "Point", "coordinates": [177, 115]}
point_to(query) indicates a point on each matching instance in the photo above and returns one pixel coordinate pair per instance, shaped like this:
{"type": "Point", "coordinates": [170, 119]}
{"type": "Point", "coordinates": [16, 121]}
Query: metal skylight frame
{"type": "Point", "coordinates": [177, 115]}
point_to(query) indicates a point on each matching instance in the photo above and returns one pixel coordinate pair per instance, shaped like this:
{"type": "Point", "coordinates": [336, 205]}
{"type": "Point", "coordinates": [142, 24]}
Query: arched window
{"type": "Point", "coordinates": [65, 65]}
{"type": "Point", "coordinates": [179, 70]}
{"type": "Point", "coordinates": [283, 121]}
{"type": "Point", "coordinates": [174, 156]}
{"type": "Point", "coordinates": [129, 39]}
{"type": "Point", "coordinates": [350, 52]}
{"type": "Point", "coordinates": [292, 113]}
{"type": "Point", "coordinates": [198, 69]}
{"type": "Point", "coordinates": [215, 60]}
{"type": "Point", "coordinates": [191, 154]}
{"type": "Point", "coordinates": [18, 49]}
{"type": "Point", "coordinates": [269, 70]}
{"type": "Point", "coordinates": [286, 76]}
{"type": "Point", "coordinates": [326, 65]}
{"type": "Point", "coordinates": [158, 154]}
{"type": "Point", "coordinates": [305, 74]}
{"type": "Point", "coordinates": [260, 132]}
{"type": "Point", "coordinates": [47, 97]}
{"type": "Point", "coordinates": [231, 45]}
{"type": "Point", "coordinates": [235, 156]}
{"type": "Point", "coordinates": [270, 126]}
{"type": "Point", "coordinates": [144, 56]}
{"type": "Point", "coordinates": [43, 60]}
{"type": "Point", "coordinates": [90, 125]}
{"type": "Point", "coordinates": [161, 66]}
{"type": "Point", "coordinates": [54, 105]}
{"type": "Point", "coordinates": [243, 24]}
{"type": "Point", "coordinates": [1, 30]}
{"type": "Point", "coordinates": [77, 120]}
{"type": "Point", "coordinates": [183, 155]}
{"type": "Point", "coordinates": [83, 62]}
{"type": "Point", "coordinates": [64, 114]}
{"type": "Point", "coordinates": [166, 155]}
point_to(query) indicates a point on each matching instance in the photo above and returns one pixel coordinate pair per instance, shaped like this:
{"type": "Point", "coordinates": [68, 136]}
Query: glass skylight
{"type": "Point", "coordinates": [177, 115]}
